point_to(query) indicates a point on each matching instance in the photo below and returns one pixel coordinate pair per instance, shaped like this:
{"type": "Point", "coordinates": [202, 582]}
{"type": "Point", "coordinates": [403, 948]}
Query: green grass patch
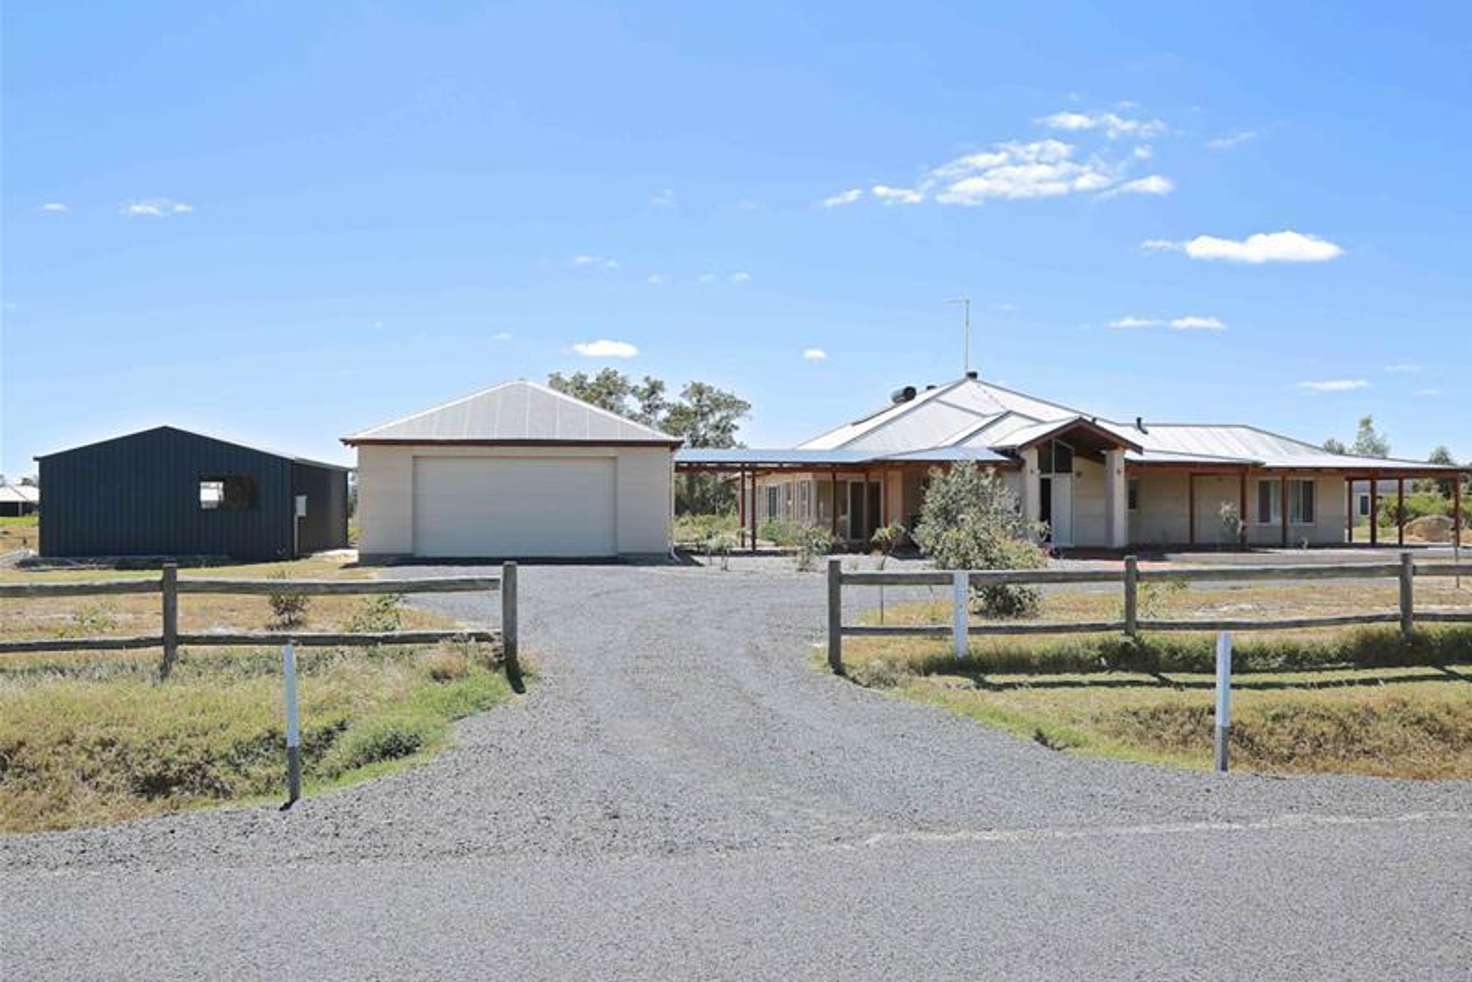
{"type": "Point", "coordinates": [1363, 700]}
{"type": "Point", "coordinates": [90, 741]}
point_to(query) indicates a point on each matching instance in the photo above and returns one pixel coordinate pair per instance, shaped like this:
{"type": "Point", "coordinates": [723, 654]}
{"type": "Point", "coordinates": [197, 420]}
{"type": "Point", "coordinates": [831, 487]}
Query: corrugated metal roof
{"type": "Point", "coordinates": [975, 414]}
{"type": "Point", "coordinates": [208, 436]}
{"type": "Point", "coordinates": [845, 457]}
{"type": "Point", "coordinates": [514, 412]}
{"type": "Point", "coordinates": [19, 494]}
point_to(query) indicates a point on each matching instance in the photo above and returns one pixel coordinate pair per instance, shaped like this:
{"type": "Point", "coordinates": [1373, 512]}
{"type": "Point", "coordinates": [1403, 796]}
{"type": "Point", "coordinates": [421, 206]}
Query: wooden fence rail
{"type": "Point", "coordinates": [1130, 577]}
{"type": "Point", "coordinates": [169, 587]}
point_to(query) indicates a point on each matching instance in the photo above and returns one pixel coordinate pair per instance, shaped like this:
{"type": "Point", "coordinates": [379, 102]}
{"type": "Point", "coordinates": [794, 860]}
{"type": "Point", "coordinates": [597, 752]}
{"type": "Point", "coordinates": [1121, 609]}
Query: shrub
{"type": "Point", "coordinates": [386, 738]}
{"type": "Point", "coordinates": [812, 542]}
{"type": "Point", "coordinates": [969, 520]}
{"type": "Point", "coordinates": [721, 546]}
{"type": "Point", "coordinates": [702, 528]}
{"type": "Point", "coordinates": [445, 666]}
{"type": "Point", "coordinates": [288, 606]}
{"type": "Point", "coordinates": [377, 614]}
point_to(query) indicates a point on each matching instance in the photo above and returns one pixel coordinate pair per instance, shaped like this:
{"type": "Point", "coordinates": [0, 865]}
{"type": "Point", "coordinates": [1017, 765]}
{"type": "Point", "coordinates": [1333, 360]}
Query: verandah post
{"type": "Point", "coordinates": [835, 614]}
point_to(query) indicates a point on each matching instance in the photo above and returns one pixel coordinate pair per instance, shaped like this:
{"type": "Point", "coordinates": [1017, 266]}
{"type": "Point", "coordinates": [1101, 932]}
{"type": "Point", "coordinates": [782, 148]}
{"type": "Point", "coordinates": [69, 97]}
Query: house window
{"type": "Point", "coordinates": [1134, 486]}
{"type": "Point", "coordinates": [1055, 458]}
{"type": "Point", "coordinates": [772, 502]}
{"type": "Point", "coordinates": [1269, 510]}
{"type": "Point", "coordinates": [1364, 506]}
{"type": "Point", "coordinates": [1301, 502]}
{"type": "Point", "coordinates": [228, 492]}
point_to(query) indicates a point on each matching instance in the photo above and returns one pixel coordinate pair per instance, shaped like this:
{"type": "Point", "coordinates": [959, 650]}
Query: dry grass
{"type": "Point", "coordinates": [19, 533]}
{"type": "Point", "coordinates": [90, 738]}
{"type": "Point", "coordinates": [1348, 701]}
{"type": "Point", "coordinates": [139, 614]}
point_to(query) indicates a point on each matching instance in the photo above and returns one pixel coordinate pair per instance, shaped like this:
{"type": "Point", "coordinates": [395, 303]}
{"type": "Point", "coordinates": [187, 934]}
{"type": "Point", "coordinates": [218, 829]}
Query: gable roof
{"type": "Point", "coordinates": [518, 412]}
{"type": "Point", "coordinates": [202, 436]}
{"type": "Point", "coordinates": [20, 494]}
{"type": "Point", "coordinates": [971, 413]}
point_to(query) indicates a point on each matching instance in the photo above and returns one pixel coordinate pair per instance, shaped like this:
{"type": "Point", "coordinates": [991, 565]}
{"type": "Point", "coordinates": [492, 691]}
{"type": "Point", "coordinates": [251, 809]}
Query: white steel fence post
{"type": "Point", "coordinates": [1223, 698]}
{"type": "Point", "coordinates": [293, 725]}
{"type": "Point", "coordinates": [960, 599]}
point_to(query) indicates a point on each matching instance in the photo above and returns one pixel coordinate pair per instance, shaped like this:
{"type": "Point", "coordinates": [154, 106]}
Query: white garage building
{"type": "Point", "coordinates": [518, 470]}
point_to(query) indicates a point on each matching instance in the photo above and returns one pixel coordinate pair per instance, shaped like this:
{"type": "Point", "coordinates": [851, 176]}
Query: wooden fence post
{"type": "Point", "coordinates": [1223, 699]}
{"type": "Point", "coordinates": [1131, 596]}
{"type": "Point", "coordinates": [835, 614]}
{"type": "Point", "coordinates": [508, 625]}
{"type": "Point", "coordinates": [1407, 598]}
{"type": "Point", "coordinates": [170, 590]}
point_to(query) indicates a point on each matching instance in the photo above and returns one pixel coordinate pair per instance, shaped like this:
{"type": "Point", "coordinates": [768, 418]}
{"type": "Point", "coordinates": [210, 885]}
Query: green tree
{"type": "Point", "coordinates": [1335, 446]}
{"type": "Point", "coordinates": [1443, 486]}
{"type": "Point", "coordinates": [1369, 443]}
{"type": "Point", "coordinates": [703, 415]}
{"type": "Point", "coordinates": [970, 520]}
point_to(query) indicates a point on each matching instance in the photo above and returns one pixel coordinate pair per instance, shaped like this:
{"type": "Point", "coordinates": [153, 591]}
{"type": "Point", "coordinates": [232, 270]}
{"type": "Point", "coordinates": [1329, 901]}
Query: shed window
{"type": "Point", "coordinates": [227, 492]}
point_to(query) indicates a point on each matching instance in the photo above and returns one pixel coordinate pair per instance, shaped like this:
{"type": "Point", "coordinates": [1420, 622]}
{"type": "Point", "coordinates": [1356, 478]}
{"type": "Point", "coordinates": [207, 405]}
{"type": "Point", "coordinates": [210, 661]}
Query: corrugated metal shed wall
{"type": "Point", "coordinates": [138, 495]}
{"type": "Point", "coordinates": [326, 524]}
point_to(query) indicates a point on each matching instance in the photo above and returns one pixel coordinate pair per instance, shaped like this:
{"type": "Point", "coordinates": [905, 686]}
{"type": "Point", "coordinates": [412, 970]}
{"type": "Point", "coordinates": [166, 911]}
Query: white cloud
{"type": "Point", "coordinates": [603, 348]}
{"type": "Point", "coordinates": [843, 198]}
{"type": "Point", "coordinates": [1231, 140]}
{"type": "Point", "coordinates": [739, 278]}
{"type": "Point", "coordinates": [1193, 322]}
{"type": "Point", "coordinates": [501, 336]}
{"type": "Point", "coordinates": [1404, 368]}
{"type": "Point", "coordinates": [601, 262]}
{"type": "Point", "coordinates": [657, 279]}
{"type": "Point", "coordinates": [1286, 246]}
{"type": "Point", "coordinates": [707, 278]}
{"type": "Point", "coordinates": [665, 198]}
{"type": "Point", "coordinates": [814, 354]}
{"type": "Point", "coordinates": [1152, 184]}
{"type": "Point", "coordinates": [155, 208]}
{"type": "Point", "coordinates": [55, 208]}
{"type": "Point", "coordinates": [1428, 393]}
{"type": "Point", "coordinates": [1126, 322]}
{"type": "Point", "coordinates": [1042, 169]}
{"type": "Point", "coordinates": [1335, 385]}
{"type": "Point", "coordinates": [901, 196]}
{"type": "Point", "coordinates": [1143, 152]}
{"type": "Point", "coordinates": [1112, 124]}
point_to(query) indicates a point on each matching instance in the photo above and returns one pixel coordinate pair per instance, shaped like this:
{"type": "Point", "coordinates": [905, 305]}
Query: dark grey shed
{"type": "Point", "coordinates": [169, 492]}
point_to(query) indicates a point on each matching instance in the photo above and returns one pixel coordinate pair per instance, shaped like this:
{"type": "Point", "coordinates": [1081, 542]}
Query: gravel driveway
{"type": "Point", "coordinates": [681, 795]}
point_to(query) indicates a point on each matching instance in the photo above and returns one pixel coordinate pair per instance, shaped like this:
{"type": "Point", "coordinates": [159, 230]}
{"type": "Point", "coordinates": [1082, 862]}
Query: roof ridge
{"type": "Point", "coordinates": [433, 409]}
{"type": "Point", "coordinates": [905, 408]}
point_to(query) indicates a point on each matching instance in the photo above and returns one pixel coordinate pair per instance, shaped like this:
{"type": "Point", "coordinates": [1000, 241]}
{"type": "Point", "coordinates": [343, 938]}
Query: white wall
{"type": "Point", "coordinates": [643, 489]}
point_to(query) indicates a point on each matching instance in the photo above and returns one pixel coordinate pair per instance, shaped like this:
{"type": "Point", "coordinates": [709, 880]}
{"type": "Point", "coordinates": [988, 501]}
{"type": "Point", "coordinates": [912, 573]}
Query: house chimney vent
{"type": "Point", "coordinates": [1140, 424]}
{"type": "Point", "coordinates": [902, 394]}
{"type": "Point", "coordinates": [973, 375]}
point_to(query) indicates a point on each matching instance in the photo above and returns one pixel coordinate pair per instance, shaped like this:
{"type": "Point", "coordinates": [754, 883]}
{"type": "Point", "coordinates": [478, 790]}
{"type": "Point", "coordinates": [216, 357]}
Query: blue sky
{"type": "Point", "coordinates": [288, 222]}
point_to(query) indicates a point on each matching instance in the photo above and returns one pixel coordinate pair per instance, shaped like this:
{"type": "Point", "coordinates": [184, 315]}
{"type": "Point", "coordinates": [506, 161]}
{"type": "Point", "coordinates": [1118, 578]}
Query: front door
{"type": "Point", "coordinates": [1061, 512]}
{"type": "Point", "coordinates": [856, 512]}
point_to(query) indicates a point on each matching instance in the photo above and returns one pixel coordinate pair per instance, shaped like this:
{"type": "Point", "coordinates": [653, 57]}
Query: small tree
{"type": "Point", "coordinates": [1231, 523]}
{"type": "Point", "coordinates": [885, 538]}
{"type": "Point", "coordinates": [288, 606]}
{"type": "Point", "coordinates": [970, 520]}
{"type": "Point", "coordinates": [1368, 442]}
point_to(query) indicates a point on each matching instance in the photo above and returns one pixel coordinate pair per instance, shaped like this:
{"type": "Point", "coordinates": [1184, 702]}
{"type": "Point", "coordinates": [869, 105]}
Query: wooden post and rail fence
{"type": "Point", "coordinates": [169, 586]}
{"type": "Point", "coordinates": [1406, 571]}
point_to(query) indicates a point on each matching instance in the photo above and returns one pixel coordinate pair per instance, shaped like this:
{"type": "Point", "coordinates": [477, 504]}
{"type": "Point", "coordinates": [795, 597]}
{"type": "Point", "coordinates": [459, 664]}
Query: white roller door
{"type": "Point", "coordinates": [514, 506]}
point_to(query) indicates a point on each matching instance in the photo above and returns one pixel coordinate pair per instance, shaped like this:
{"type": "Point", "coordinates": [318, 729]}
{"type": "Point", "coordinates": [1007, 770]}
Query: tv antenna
{"type": "Point", "coordinates": [965, 303]}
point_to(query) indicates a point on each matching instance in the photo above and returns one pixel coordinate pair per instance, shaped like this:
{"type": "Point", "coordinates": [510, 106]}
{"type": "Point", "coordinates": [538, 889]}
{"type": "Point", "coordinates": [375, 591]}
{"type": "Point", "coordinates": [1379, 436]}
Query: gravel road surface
{"type": "Point", "coordinates": [680, 795]}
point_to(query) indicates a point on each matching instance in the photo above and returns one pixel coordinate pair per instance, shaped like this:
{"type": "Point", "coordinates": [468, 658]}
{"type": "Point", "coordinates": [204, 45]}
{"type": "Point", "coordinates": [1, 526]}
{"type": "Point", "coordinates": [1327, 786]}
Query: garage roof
{"type": "Point", "coordinates": [511, 413]}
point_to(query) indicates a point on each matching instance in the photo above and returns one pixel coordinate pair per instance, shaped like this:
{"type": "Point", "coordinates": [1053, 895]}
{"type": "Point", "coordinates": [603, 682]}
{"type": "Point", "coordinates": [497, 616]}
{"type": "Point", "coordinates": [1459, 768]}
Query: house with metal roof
{"type": "Point", "coordinates": [17, 500]}
{"type": "Point", "coordinates": [168, 492]}
{"type": "Point", "coordinates": [1095, 482]}
{"type": "Point", "coordinates": [518, 470]}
